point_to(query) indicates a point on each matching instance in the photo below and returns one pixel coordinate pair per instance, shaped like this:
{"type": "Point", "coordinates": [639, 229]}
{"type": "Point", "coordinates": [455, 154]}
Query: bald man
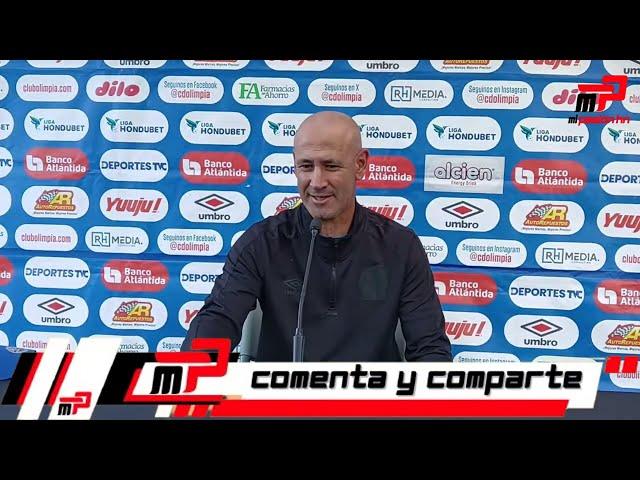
{"type": "Point", "coordinates": [367, 272]}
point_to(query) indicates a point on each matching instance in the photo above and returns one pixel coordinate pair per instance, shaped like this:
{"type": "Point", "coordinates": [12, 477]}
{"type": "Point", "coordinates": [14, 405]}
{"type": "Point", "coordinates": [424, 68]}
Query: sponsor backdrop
{"type": "Point", "coordinates": [123, 185]}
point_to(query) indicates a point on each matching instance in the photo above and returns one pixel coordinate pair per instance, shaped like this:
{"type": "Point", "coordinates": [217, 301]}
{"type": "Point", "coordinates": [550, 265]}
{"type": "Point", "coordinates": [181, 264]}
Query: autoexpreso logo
{"type": "Point", "coordinates": [397, 66]}
{"type": "Point", "coordinates": [554, 67]}
{"type": "Point", "coordinates": [617, 336]}
{"type": "Point", "coordinates": [465, 288]}
{"type": "Point", "coordinates": [628, 258]}
{"type": "Point", "coordinates": [341, 92]}
{"type": "Point", "coordinates": [555, 293]}
{"type": "Point", "coordinates": [466, 66]}
{"type": "Point", "coordinates": [6, 162]}
{"type": "Point", "coordinates": [463, 133]}
{"type": "Point", "coordinates": [536, 134]}
{"type": "Point", "coordinates": [386, 131]}
{"type": "Point", "coordinates": [215, 128]}
{"type": "Point", "coordinates": [198, 277]}
{"type": "Point", "coordinates": [6, 123]}
{"type": "Point", "coordinates": [620, 220]}
{"type": "Point", "coordinates": [53, 310]}
{"type": "Point", "coordinates": [206, 206]}
{"type": "Point", "coordinates": [135, 276]}
{"type": "Point", "coordinates": [278, 169]}
{"type": "Point", "coordinates": [61, 238]}
{"type": "Point", "coordinates": [38, 340]}
{"type": "Point", "coordinates": [557, 177]}
{"type": "Point", "coordinates": [198, 242]}
{"type": "Point", "coordinates": [418, 93]}
{"type": "Point", "coordinates": [622, 139]}
{"type": "Point", "coordinates": [398, 209]}
{"type": "Point", "coordinates": [5, 200]}
{"type": "Point", "coordinates": [460, 173]}
{"type": "Point", "coordinates": [105, 239]}
{"type": "Point", "coordinates": [188, 312]}
{"type": "Point", "coordinates": [632, 100]}
{"type": "Point", "coordinates": [6, 271]}
{"type": "Point", "coordinates": [500, 95]}
{"type": "Point", "coordinates": [133, 313]}
{"type": "Point", "coordinates": [618, 296]}
{"type": "Point", "coordinates": [571, 256]}
{"type": "Point", "coordinates": [57, 63]}
{"type": "Point", "coordinates": [279, 128]}
{"type": "Point", "coordinates": [190, 89]}
{"type": "Point", "coordinates": [118, 88]}
{"type": "Point", "coordinates": [55, 202]}
{"type": "Point", "coordinates": [56, 272]}
{"type": "Point", "coordinates": [462, 214]}
{"type": "Point", "coordinates": [388, 172]}
{"type": "Point", "coordinates": [121, 165]}
{"type": "Point", "coordinates": [56, 163]}
{"type": "Point", "coordinates": [134, 126]}
{"type": "Point", "coordinates": [135, 63]}
{"type": "Point", "coordinates": [483, 252]}
{"type": "Point", "coordinates": [6, 308]}
{"type": "Point", "coordinates": [547, 217]}
{"type": "Point", "coordinates": [47, 88]}
{"type": "Point", "coordinates": [435, 248]}
{"type": "Point", "coordinates": [562, 96]}
{"type": "Point", "coordinates": [169, 344]}
{"type": "Point", "coordinates": [56, 124]}
{"type": "Point", "coordinates": [541, 331]}
{"type": "Point", "coordinates": [630, 68]}
{"type": "Point", "coordinates": [265, 91]}
{"type": "Point", "coordinates": [276, 203]}
{"type": "Point", "coordinates": [467, 328]}
{"type": "Point", "coordinates": [299, 65]}
{"type": "Point", "coordinates": [216, 64]}
{"type": "Point", "coordinates": [221, 168]}
{"type": "Point", "coordinates": [134, 205]}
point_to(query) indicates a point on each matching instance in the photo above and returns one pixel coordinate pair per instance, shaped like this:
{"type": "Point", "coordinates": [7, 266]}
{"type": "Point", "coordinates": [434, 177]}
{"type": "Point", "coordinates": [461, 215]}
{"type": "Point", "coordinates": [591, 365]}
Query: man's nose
{"type": "Point", "coordinates": [318, 178]}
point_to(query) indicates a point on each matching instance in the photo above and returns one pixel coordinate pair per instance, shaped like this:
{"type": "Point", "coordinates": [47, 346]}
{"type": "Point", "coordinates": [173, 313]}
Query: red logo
{"type": "Point", "coordinates": [223, 168]}
{"type": "Point", "coordinates": [135, 276]}
{"type": "Point", "coordinates": [118, 204]}
{"type": "Point", "coordinates": [117, 88]}
{"type": "Point", "coordinates": [56, 163]}
{"type": "Point", "coordinates": [391, 172]}
{"type": "Point", "coordinates": [618, 296]}
{"type": "Point", "coordinates": [455, 330]}
{"type": "Point", "coordinates": [6, 271]}
{"type": "Point", "coordinates": [190, 315]}
{"type": "Point", "coordinates": [562, 177]}
{"type": "Point", "coordinates": [603, 93]}
{"type": "Point", "coordinates": [465, 288]}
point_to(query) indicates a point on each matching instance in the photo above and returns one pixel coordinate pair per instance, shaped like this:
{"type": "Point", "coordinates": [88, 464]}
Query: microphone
{"type": "Point", "coordinates": [298, 338]}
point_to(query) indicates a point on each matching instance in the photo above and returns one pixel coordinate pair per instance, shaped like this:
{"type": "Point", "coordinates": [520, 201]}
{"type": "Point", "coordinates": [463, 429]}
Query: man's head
{"type": "Point", "coordinates": [329, 158]}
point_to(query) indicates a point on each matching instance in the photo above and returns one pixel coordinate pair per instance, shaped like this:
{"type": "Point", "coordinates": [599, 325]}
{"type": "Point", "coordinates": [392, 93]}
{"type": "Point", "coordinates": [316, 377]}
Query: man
{"type": "Point", "coordinates": [366, 273]}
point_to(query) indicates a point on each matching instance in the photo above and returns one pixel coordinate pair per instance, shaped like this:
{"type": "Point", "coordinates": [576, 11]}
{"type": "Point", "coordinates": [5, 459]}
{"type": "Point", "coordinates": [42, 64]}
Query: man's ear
{"type": "Point", "coordinates": [362, 160]}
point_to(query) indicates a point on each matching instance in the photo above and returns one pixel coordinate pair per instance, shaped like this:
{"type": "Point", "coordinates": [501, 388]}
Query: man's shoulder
{"type": "Point", "coordinates": [387, 229]}
{"type": "Point", "coordinates": [282, 224]}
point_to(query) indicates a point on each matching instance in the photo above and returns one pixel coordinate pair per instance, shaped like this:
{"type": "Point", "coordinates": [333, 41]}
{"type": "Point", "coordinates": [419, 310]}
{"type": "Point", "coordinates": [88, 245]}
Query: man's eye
{"type": "Point", "coordinates": [304, 168]}
{"type": "Point", "coordinates": [333, 168]}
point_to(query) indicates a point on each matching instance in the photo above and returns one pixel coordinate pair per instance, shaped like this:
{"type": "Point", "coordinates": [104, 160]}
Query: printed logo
{"type": "Point", "coordinates": [4, 87]}
{"type": "Point", "coordinates": [104, 239]}
{"type": "Point", "coordinates": [203, 90]}
{"type": "Point", "coordinates": [118, 88]}
{"type": "Point", "coordinates": [388, 172]}
{"type": "Point", "coordinates": [5, 200]}
{"type": "Point", "coordinates": [465, 288]}
{"type": "Point", "coordinates": [466, 66]}
{"type": "Point", "coordinates": [6, 271]}
{"type": "Point", "coordinates": [341, 92]}
{"type": "Point", "coordinates": [6, 308]}
{"type": "Point", "coordinates": [418, 93]}
{"type": "Point", "coordinates": [6, 162]}
{"type": "Point", "coordinates": [215, 128]}
{"type": "Point", "coordinates": [56, 272]}
{"type": "Point", "coordinates": [632, 100]}
{"type": "Point", "coordinates": [223, 168]}
{"type": "Point", "coordinates": [462, 214]}
{"type": "Point", "coordinates": [278, 169]}
{"type": "Point", "coordinates": [276, 203]}
{"type": "Point", "coordinates": [56, 163]}
{"type": "Point", "coordinates": [557, 177]}
{"type": "Point", "coordinates": [299, 65]}
{"type": "Point", "coordinates": [588, 257]}
{"type": "Point", "coordinates": [135, 63]}
{"type": "Point", "coordinates": [60, 238]}
{"type": "Point", "coordinates": [485, 357]}
{"type": "Point", "coordinates": [56, 124]}
{"type": "Point", "coordinates": [435, 248]}
{"type": "Point", "coordinates": [463, 133]}
{"type": "Point", "coordinates": [46, 88]}
{"type": "Point", "coordinates": [57, 63]}
{"type": "Point", "coordinates": [536, 134]}
{"type": "Point", "coordinates": [265, 91]}
{"type": "Point", "coordinates": [622, 139]}
{"type": "Point", "coordinates": [38, 340]}
{"type": "Point", "coordinates": [543, 217]}
{"type": "Point", "coordinates": [6, 123]}
{"type": "Point", "coordinates": [467, 328]}
{"type": "Point", "coordinates": [628, 258]}
{"type": "Point", "coordinates": [630, 68]}
{"type": "Point", "coordinates": [208, 206]}
{"type": "Point", "coordinates": [555, 293]}
{"type": "Point", "coordinates": [386, 131]}
{"type": "Point", "coordinates": [134, 276]}
{"type": "Point", "coordinates": [197, 242]}
{"type": "Point", "coordinates": [500, 95]}
{"type": "Point", "coordinates": [397, 66]}
{"type": "Point", "coordinates": [617, 336]}
{"type": "Point", "coordinates": [121, 165]}
{"type": "Point", "coordinates": [620, 220]}
{"type": "Point", "coordinates": [278, 129]}
{"type": "Point", "coordinates": [134, 126]}
{"type": "Point", "coordinates": [55, 202]}
{"type": "Point", "coordinates": [134, 205]}
{"type": "Point", "coordinates": [618, 296]}
{"type": "Point", "coordinates": [198, 277]}
{"type": "Point", "coordinates": [562, 96]}
{"type": "Point", "coordinates": [169, 344]}
{"type": "Point", "coordinates": [461, 173]}
{"type": "Point", "coordinates": [479, 252]}
{"type": "Point", "coordinates": [398, 209]}
{"type": "Point", "coordinates": [188, 312]}
{"type": "Point", "coordinates": [532, 331]}
{"type": "Point", "coordinates": [55, 310]}
{"type": "Point", "coordinates": [133, 313]}
{"type": "Point", "coordinates": [554, 67]}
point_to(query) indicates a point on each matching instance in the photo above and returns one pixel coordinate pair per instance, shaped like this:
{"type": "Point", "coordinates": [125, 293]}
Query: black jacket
{"type": "Point", "coordinates": [359, 285]}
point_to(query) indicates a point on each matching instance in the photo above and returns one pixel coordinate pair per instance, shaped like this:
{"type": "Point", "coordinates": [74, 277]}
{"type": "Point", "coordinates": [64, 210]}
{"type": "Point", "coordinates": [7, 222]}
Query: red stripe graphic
{"type": "Point", "coordinates": [32, 372]}
{"type": "Point", "coordinates": [63, 372]}
{"type": "Point", "coordinates": [616, 364]}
